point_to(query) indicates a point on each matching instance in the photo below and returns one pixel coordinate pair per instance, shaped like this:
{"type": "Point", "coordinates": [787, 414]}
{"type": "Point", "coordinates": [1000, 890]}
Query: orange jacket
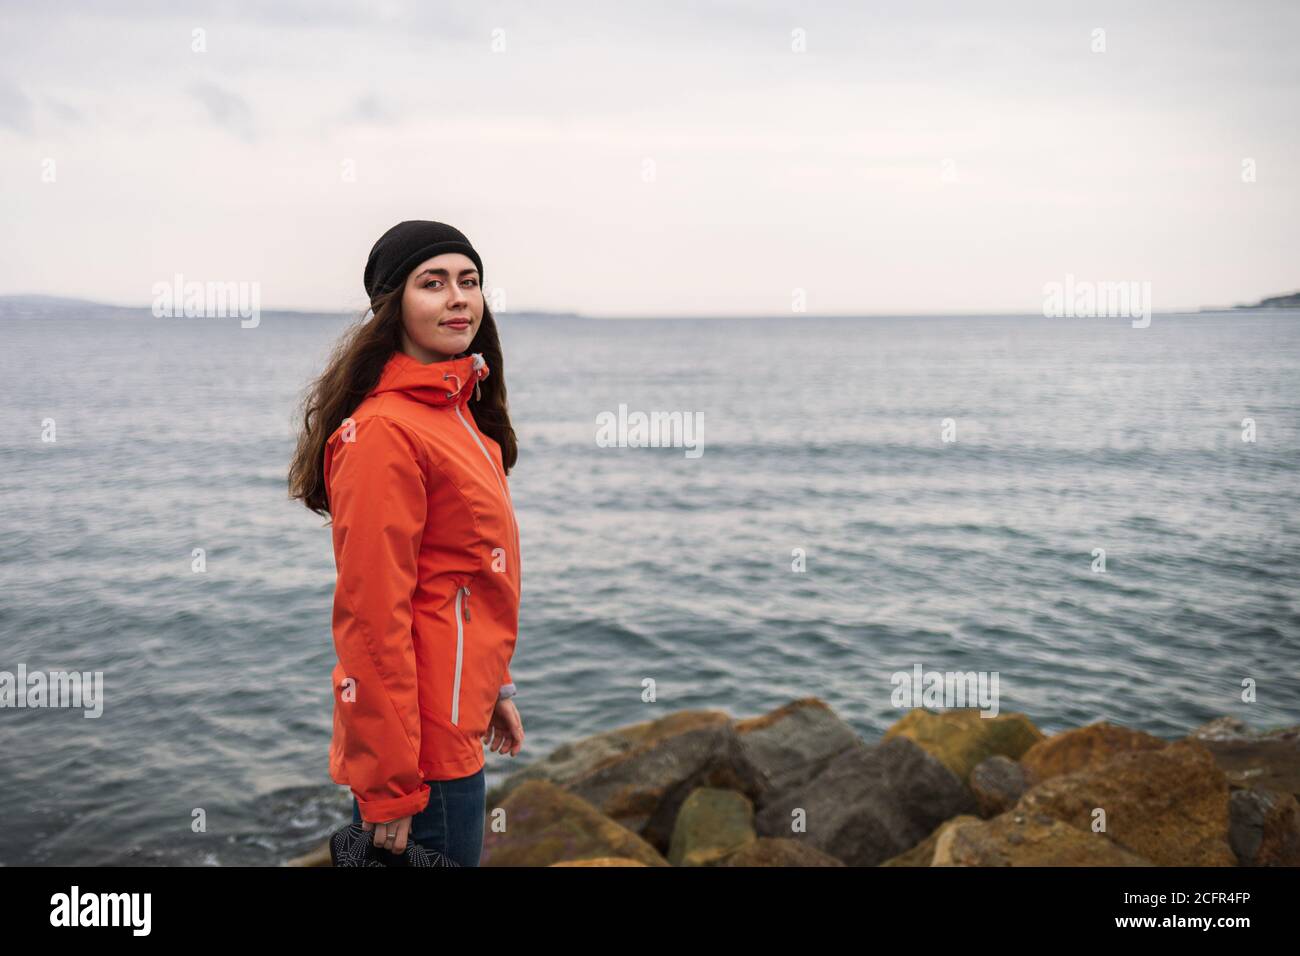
{"type": "Point", "coordinates": [426, 603]}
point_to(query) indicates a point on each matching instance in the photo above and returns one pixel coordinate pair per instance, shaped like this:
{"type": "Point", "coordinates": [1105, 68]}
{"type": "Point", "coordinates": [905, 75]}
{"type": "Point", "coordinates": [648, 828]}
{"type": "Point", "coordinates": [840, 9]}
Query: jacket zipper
{"type": "Point", "coordinates": [505, 495]}
{"type": "Point", "coordinates": [462, 603]}
{"type": "Point", "coordinates": [462, 614]}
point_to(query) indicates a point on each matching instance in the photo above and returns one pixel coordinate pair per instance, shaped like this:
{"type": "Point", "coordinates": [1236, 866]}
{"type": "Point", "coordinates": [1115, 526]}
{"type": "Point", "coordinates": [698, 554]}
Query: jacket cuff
{"type": "Point", "coordinates": [507, 691]}
{"type": "Point", "coordinates": [381, 811]}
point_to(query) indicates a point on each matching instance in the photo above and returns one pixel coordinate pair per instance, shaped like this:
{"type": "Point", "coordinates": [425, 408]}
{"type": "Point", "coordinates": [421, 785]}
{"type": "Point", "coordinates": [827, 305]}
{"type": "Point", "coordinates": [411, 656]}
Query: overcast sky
{"type": "Point", "coordinates": [657, 159]}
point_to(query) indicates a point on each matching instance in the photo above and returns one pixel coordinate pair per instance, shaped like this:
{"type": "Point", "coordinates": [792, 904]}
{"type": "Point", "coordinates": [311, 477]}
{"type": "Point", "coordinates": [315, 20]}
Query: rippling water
{"type": "Point", "coordinates": [818, 434]}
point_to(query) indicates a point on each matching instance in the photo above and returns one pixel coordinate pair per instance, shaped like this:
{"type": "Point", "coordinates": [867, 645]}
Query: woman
{"type": "Point", "coordinates": [406, 444]}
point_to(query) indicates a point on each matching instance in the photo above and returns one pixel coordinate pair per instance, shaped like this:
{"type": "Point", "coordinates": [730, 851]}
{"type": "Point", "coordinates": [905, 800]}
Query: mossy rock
{"type": "Point", "coordinates": [961, 739]}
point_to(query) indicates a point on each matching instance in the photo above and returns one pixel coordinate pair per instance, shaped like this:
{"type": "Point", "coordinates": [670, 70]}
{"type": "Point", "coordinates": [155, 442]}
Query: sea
{"type": "Point", "coordinates": [1104, 517]}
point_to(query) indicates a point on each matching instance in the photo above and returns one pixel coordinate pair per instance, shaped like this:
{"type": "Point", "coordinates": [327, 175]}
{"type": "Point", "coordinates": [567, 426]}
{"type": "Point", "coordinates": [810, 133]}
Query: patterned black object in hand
{"type": "Point", "coordinates": [353, 846]}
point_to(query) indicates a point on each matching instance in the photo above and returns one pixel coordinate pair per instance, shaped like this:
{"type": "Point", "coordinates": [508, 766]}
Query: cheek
{"type": "Point", "coordinates": [426, 308]}
{"type": "Point", "coordinates": [421, 319]}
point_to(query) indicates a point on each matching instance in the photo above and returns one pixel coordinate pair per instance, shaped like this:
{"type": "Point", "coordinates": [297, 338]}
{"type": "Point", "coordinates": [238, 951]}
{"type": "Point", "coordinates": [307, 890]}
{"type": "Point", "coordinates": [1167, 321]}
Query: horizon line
{"type": "Point", "coordinates": [633, 316]}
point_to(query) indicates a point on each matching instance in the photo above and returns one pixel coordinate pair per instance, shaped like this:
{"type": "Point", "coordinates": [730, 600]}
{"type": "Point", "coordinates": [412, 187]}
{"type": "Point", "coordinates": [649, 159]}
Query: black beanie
{"type": "Point", "coordinates": [405, 246]}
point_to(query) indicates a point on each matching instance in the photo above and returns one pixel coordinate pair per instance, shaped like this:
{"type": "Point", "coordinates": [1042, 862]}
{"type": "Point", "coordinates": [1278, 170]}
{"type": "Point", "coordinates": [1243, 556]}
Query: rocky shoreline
{"type": "Point", "coordinates": [798, 787]}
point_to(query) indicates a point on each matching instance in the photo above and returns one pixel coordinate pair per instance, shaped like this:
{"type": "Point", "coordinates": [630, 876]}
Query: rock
{"type": "Point", "coordinates": [1222, 728]}
{"type": "Point", "coordinates": [793, 742]}
{"type": "Point", "coordinates": [1226, 728]}
{"type": "Point", "coordinates": [317, 857]}
{"type": "Point", "coordinates": [711, 825]}
{"type": "Point", "coordinates": [997, 784]}
{"type": "Point", "coordinates": [923, 853]}
{"type": "Point", "coordinates": [868, 803]}
{"type": "Point", "coordinates": [1249, 758]}
{"type": "Point", "coordinates": [1083, 747]}
{"type": "Point", "coordinates": [572, 761]}
{"type": "Point", "coordinates": [639, 774]}
{"type": "Point", "coordinates": [1264, 828]}
{"type": "Point", "coordinates": [1169, 806]}
{"type": "Point", "coordinates": [601, 861]}
{"type": "Point", "coordinates": [1026, 839]}
{"type": "Point", "coordinates": [961, 738]}
{"type": "Point", "coordinates": [777, 851]}
{"type": "Point", "coordinates": [643, 789]}
{"type": "Point", "coordinates": [545, 824]}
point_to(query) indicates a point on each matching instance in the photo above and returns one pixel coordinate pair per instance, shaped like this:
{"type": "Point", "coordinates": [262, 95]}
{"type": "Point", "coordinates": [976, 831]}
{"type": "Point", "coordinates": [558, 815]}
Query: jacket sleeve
{"type": "Point", "coordinates": [377, 502]}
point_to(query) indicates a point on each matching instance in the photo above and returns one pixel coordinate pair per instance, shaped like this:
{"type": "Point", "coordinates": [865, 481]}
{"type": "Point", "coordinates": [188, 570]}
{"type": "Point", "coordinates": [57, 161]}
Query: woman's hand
{"type": "Point", "coordinates": [505, 732]}
{"type": "Point", "coordinates": [390, 836]}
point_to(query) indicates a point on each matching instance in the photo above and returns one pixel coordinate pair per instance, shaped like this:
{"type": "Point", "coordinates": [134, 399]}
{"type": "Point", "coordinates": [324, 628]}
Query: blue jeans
{"type": "Point", "coordinates": [453, 821]}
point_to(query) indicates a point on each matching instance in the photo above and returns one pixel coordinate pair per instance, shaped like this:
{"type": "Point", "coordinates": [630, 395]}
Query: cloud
{"type": "Point", "coordinates": [64, 111]}
{"type": "Point", "coordinates": [16, 111]}
{"type": "Point", "coordinates": [370, 109]}
{"type": "Point", "coordinates": [227, 109]}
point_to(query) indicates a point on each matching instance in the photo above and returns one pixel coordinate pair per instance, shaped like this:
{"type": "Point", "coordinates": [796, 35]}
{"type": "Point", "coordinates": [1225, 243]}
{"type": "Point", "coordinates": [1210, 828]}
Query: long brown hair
{"type": "Point", "coordinates": [353, 370]}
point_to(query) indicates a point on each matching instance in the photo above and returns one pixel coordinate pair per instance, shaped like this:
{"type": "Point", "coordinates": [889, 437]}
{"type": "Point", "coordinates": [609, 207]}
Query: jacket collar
{"type": "Point", "coordinates": [439, 383]}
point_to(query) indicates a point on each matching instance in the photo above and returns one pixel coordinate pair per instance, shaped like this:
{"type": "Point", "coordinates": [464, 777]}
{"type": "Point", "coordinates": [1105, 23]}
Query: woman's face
{"type": "Point", "coordinates": [442, 306]}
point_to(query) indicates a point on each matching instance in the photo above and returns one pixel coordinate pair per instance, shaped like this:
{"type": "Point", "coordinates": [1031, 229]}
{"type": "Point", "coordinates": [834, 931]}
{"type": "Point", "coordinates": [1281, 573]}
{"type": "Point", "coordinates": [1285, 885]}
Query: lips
{"type": "Point", "coordinates": [457, 324]}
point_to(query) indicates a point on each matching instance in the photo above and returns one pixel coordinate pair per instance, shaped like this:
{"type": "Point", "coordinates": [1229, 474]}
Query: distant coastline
{"type": "Point", "coordinates": [1271, 304]}
{"type": "Point", "coordinates": [1290, 301]}
{"type": "Point", "coordinates": [28, 306]}
{"type": "Point", "coordinates": [38, 305]}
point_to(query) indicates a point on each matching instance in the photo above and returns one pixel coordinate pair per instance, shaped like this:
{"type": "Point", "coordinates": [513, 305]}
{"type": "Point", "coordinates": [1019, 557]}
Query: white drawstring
{"type": "Point", "coordinates": [478, 363]}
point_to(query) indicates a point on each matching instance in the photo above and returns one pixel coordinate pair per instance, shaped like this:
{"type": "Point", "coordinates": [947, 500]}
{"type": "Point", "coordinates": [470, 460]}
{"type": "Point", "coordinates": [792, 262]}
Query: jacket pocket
{"type": "Point", "coordinates": [462, 619]}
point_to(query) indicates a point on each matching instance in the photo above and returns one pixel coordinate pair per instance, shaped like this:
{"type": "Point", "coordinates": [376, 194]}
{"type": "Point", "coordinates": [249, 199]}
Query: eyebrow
{"type": "Point", "coordinates": [443, 272]}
